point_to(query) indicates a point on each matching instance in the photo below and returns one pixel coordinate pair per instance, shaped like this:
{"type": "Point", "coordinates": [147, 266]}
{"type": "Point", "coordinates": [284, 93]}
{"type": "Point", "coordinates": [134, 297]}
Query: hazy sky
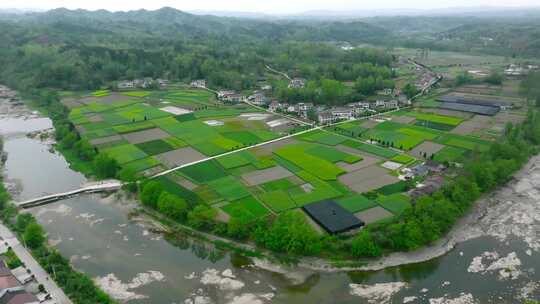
{"type": "Point", "coordinates": [263, 6]}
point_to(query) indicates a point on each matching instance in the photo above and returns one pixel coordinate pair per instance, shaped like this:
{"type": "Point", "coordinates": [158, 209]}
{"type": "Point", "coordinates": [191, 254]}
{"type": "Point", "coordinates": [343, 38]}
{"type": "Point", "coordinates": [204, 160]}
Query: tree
{"type": "Point", "coordinates": [410, 90]}
{"type": "Point", "coordinates": [33, 235]}
{"type": "Point", "coordinates": [463, 78]}
{"type": "Point", "coordinates": [84, 150]}
{"type": "Point", "coordinates": [202, 217]}
{"type": "Point", "coordinates": [494, 78]}
{"type": "Point", "coordinates": [69, 140]}
{"type": "Point", "coordinates": [363, 245]}
{"type": "Point", "coordinates": [105, 166]}
{"type": "Point", "coordinates": [172, 206]}
{"type": "Point", "coordinates": [239, 225]}
{"type": "Point", "coordinates": [23, 220]}
{"type": "Point", "coordinates": [289, 233]}
{"type": "Point", "coordinates": [151, 193]}
{"type": "Point", "coordinates": [129, 176]}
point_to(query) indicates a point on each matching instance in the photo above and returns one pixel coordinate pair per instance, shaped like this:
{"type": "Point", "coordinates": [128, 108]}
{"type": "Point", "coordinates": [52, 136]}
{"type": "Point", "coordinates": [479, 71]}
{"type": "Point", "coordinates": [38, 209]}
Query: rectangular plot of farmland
{"type": "Point", "coordinates": [146, 135]}
{"type": "Point", "coordinates": [229, 188]}
{"type": "Point", "coordinates": [278, 200]}
{"type": "Point", "coordinates": [203, 172]}
{"type": "Point", "coordinates": [125, 153]}
{"type": "Point", "coordinates": [179, 157]}
{"type": "Point", "coordinates": [367, 179]}
{"type": "Point", "coordinates": [314, 165]}
{"type": "Point", "coordinates": [248, 204]}
{"type": "Point", "coordinates": [373, 215]}
{"type": "Point", "coordinates": [263, 176]}
{"type": "Point", "coordinates": [426, 148]}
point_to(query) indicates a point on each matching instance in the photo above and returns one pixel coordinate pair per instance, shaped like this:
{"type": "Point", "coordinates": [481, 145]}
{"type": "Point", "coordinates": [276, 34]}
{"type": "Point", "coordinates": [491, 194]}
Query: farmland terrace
{"type": "Point", "coordinates": [235, 160]}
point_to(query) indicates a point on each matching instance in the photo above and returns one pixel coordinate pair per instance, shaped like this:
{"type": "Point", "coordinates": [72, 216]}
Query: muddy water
{"type": "Point", "coordinates": [136, 265]}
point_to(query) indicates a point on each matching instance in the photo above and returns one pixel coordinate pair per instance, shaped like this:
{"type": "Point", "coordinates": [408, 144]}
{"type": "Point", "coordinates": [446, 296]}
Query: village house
{"type": "Point", "coordinates": [429, 186]}
{"type": "Point", "coordinates": [230, 97]}
{"type": "Point", "coordinates": [297, 83]}
{"type": "Point", "coordinates": [274, 106]}
{"type": "Point", "coordinates": [146, 82]}
{"type": "Point", "coordinates": [223, 93]}
{"type": "Point", "coordinates": [402, 99]}
{"type": "Point", "coordinates": [266, 87]}
{"type": "Point", "coordinates": [514, 70]}
{"type": "Point", "coordinates": [386, 104]}
{"type": "Point", "coordinates": [198, 83]}
{"type": "Point", "coordinates": [290, 108]}
{"type": "Point", "coordinates": [233, 98]}
{"type": "Point", "coordinates": [391, 104]}
{"type": "Point", "coordinates": [385, 92]}
{"type": "Point", "coordinates": [11, 288]}
{"type": "Point", "coordinates": [258, 98]}
{"type": "Point", "coordinates": [359, 107]}
{"type": "Point", "coordinates": [303, 108]}
{"type": "Point", "coordinates": [342, 113]}
{"type": "Point", "coordinates": [124, 85]}
{"type": "Point", "coordinates": [325, 117]}
{"type": "Point", "coordinates": [162, 82]}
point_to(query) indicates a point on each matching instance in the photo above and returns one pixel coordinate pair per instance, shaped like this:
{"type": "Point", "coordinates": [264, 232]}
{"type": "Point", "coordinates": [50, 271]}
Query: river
{"type": "Point", "coordinates": [135, 265]}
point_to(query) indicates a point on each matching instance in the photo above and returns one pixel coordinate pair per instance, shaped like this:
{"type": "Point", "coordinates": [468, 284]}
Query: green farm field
{"type": "Point", "coordinates": [204, 124]}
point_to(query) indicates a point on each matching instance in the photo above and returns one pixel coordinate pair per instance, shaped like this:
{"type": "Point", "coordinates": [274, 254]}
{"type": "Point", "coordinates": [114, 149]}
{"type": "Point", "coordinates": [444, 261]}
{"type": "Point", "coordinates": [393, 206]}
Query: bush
{"type": "Point", "coordinates": [34, 236]}
{"type": "Point", "coordinates": [151, 193]}
{"type": "Point", "coordinates": [364, 245]}
{"type": "Point", "coordinates": [172, 206]}
{"type": "Point", "coordinates": [105, 166]}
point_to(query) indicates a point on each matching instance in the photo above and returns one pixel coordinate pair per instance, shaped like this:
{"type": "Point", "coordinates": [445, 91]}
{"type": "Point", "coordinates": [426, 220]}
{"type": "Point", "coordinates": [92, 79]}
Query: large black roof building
{"type": "Point", "coordinates": [332, 217]}
{"type": "Point", "coordinates": [473, 101]}
{"type": "Point", "coordinates": [471, 108]}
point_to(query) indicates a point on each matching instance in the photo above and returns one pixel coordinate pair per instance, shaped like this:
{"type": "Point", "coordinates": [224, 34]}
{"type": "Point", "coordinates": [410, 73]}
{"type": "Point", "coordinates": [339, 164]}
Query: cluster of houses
{"type": "Point", "coordinates": [324, 114]}
{"type": "Point", "coordinates": [15, 283]}
{"type": "Point", "coordinates": [329, 115]}
{"type": "Point", "coordinates": [143, 83]}
{"type": "Point", "coordinates": [519, 70]}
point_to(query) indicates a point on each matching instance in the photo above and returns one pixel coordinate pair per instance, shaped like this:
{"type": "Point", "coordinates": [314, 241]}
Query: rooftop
{"type": "Point", "coordinates": [18, 297]}
{"type": "Point", "coordinates": [471, 108]}
{"type": "Point", "coordinates": [332, 217]}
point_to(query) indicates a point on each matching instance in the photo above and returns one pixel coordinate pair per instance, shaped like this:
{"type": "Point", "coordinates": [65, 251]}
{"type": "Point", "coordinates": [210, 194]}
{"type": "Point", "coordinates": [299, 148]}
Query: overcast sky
{"type": "Point", "coordinates": [262, 6]}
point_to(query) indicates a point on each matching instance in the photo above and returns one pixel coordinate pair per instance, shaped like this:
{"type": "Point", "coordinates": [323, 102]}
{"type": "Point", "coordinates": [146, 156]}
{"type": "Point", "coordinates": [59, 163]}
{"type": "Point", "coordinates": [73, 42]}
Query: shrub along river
{"type": "Point", "coordinates": [136, 265]}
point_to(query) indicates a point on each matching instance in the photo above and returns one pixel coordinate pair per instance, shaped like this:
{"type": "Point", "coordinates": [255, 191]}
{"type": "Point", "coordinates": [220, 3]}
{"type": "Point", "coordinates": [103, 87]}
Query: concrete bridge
{"type": "Point", "coordinates": [102, 186]}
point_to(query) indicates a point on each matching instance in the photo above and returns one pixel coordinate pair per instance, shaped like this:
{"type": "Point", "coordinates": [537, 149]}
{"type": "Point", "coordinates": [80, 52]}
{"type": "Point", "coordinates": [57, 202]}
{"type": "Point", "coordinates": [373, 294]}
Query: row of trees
{"type": "Point", "coordinates": [289, 232]}
{"type": "Point", "coordinates": [494, 78]}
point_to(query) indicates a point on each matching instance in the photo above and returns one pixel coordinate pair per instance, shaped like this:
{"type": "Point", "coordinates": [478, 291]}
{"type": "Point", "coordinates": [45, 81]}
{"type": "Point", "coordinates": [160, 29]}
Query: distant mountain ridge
{"type": "Point", "coordinates": [170, 21]}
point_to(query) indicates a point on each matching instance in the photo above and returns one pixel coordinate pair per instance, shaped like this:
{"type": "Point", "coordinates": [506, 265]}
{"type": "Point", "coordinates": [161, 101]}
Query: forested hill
{"type": "Point", "coordinates": [85, 50]}
{"type": "Point", "coordinates": [174, 24]}
{"type": "Point", "coordinates": [508, 35]}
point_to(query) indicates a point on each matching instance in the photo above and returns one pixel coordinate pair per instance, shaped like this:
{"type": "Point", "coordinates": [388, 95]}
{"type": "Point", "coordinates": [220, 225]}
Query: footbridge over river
{"type": "Point", "coordinates": [101, 186]}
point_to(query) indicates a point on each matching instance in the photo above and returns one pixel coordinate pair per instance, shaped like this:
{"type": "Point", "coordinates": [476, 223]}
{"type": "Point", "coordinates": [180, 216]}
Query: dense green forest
{"type": "Point", "coordinates": [87, 50]}
{"type": "Point", "coordinates": [513, 36]}
{"type": "Point", "coordinates": [79, 50]}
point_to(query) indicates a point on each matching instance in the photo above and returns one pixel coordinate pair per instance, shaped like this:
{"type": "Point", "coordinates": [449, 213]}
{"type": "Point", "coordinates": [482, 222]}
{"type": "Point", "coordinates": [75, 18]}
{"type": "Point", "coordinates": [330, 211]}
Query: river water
{"type": "Point", "coordinates": [133, 264]}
